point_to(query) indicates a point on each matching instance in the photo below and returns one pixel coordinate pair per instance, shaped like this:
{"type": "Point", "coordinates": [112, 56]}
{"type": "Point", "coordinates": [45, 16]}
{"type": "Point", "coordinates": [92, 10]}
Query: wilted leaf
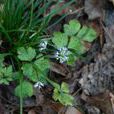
{"type": "Point", "coordinates": [72, 110]}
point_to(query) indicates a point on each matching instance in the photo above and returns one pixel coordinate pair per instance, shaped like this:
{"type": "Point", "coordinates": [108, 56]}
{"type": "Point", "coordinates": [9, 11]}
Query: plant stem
{"type": "Point", "coordinates": [21, 98]}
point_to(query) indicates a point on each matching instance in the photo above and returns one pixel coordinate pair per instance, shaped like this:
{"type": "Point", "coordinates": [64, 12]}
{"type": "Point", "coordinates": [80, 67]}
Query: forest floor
{"type": "Point", "coordinates": [91, 80]}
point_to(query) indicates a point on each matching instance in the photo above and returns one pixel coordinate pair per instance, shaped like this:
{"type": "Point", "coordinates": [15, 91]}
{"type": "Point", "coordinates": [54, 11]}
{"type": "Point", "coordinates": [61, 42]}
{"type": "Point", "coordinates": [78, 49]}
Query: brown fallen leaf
{"type": "Point", "coordinates": [112, 100]}
{"type": "Point", "coordinates": [72, 110]}
{"type": "Point", "coordinates": [60, 69]}
{"type": "Point", "coordinates": [101, 101]}
{"type": "Point", "coordinates": [94, 8]}
{"type": "Point", "coordinates": [69, 110]}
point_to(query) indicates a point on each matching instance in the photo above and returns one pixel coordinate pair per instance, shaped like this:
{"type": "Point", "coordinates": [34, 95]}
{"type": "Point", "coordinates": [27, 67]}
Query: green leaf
{"type": "Point", "coordinates": [64, 87]}
{"type": "Point", "coordinates": [60, 39]}
{"type": "Point", "coordinates": [90, 35]}
{"type": "Point", "coordinates": [8, 71]}
{"type": "Point", "coordinates": [76, 45]}
{"type": "Point", "coordinates": [42, 64]}
{"type": "Point", "coordinates": [30, 72]}
{"type": "Point", "coordinates": [56, 94]}
{"type": "Point", "coordinates": [6, 75]}
{"type": "Point", "coordinates": [26, 54]}
{"type": "Point", "coordinates": [62, 95]}
{"type": "Point", "coordinates": [66, 99]}
{"type": "Point", "coordinates": [71, 59]}
{"type": "Point", "coordinates": [16, 76]}
{"type": "Point", "coordinates": [2, 59]}
{"type": "Point", "coordinates": [87, 34]}
{"type": "Point", "coordinates": [27, 69]}
{"type": "Point", "coordinates": [26, 88]}
{"type": "Point", "coordinates": [72, 28]}
{"type": "Point", "coordinates": [82, 32]}
{"type": "Point", "coordinates": [36, 71]}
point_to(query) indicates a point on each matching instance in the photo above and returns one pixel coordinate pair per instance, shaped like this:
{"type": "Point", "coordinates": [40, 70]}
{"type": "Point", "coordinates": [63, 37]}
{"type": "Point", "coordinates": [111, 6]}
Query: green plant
{"type": "Point", "coordinates": [70, 44]}
{"type": "Point", "coordinates": [25, 56]}
{"type": "Point", "coordinates": [61, 94]}
{"type": "Point", "coordinates": [22, 25]}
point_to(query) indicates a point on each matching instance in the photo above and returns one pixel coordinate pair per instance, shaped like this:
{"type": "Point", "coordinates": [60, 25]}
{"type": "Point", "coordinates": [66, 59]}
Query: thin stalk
{"type": "Point", "coordinates": [21, 98]}
{"type": "Point", "coordinates": [31, 14]}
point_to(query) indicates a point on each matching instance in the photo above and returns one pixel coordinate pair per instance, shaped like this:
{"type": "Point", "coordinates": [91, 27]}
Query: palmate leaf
{"type": "Point", "coordinates": [60, 39]}
{"type": "Point", "coordinates": [62, 95]}
{"type": "Point", "coordinates": [72, 28]}
{"type": "Point", "coordinates": [64, 87]}
{"type": "Point", "coordinates": [36, 71]}
{"type": "Point", "coordinates": [72, 58]}
{"type": "Point", "coordinates": [66, 99]}
{"type": "Point", "coordinates": [87, 34]}
{"type": "Point", "coordinates": [56, 94]}
{"type": "Point", "coordinates": [42, 64]}
{"type": "Point", "coordinates": [76, 45]}
{"type": "Point", "coordinates": [26, 88]}
{"type": "Point", "coordinates": [30, 72]}
{"type": "Point", "coordinates": [6, 75]}
{"type": "Point", "coordinates": [26, 54]}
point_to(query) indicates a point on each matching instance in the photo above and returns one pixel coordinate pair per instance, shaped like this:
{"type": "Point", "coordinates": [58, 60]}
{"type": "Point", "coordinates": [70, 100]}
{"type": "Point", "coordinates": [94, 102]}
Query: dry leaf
{"type": "Point", "coordinates": [60, 69]}
{"type": "Point", "coordinates": [101, 101]}
{"type": "Point", "coordinates": [72, 110]}
{"type": "Point", "coordinates": [94, 8]}
{"type": "Point", "coordinates": [112, 100]}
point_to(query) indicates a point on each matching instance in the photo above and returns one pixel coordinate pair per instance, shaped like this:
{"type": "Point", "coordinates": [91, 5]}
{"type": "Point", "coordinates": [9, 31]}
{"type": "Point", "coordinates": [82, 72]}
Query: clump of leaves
{"type": "Point", "coordinates": [61, 94]}
{"type": "Point", "coordinates": [73, 39]}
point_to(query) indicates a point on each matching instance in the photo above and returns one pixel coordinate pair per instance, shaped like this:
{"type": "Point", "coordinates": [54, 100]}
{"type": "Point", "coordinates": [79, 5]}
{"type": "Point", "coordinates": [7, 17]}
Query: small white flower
{"type": "Point", "coordinates": [62, 54]}
{"type": "Point", "coordinates": [38, 85]}
{"type": "Point", "coordinates": [43, 45]}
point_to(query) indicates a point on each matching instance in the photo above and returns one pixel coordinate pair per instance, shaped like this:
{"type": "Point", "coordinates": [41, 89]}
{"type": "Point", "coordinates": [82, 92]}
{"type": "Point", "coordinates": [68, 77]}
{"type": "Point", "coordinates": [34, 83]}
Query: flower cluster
{"type": "Point", "coordinates": [43, 45]}
{"type": "Point", "coordinates": [62, 54]}
{"type": "Point", "coordinates": [38, 85]}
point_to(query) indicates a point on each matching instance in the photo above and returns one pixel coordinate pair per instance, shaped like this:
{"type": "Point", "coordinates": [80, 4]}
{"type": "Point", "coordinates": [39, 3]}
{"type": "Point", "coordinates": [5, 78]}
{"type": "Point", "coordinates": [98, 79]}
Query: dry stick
{"type": "Point", "coordinates": [74, 12]}
{"type": "Point", "coordinates": [74, 94]}
{"type": "Point", "coordinates": [106, 31]}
